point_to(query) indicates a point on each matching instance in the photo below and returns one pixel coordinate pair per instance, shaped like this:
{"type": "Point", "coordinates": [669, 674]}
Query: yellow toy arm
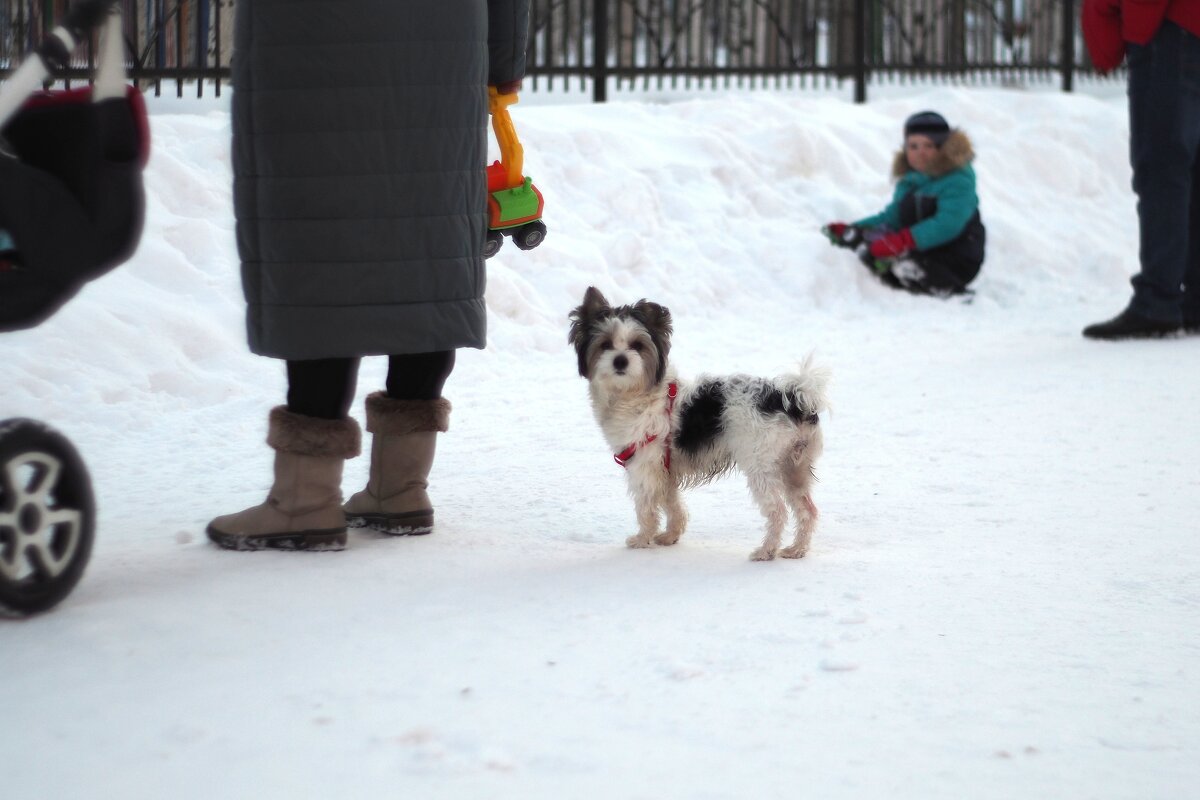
{"type": "Point", "coordinates": [512, 155]}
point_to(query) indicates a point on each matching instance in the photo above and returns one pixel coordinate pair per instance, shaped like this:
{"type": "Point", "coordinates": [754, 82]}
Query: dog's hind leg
{"type": "Point", "coordinates": [806, 521]}
{"type": "Point", "coordinates": [799, 485]}
{"type": "Point", "coordinates": [677, 517]}
{"type": "Point", "coordinates": [768, 493]}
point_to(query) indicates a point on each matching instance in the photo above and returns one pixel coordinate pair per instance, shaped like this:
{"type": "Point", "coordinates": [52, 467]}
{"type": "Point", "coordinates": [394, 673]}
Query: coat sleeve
{"type": "Point", "coordinates": [508, 36]}
{"type": "Point", "coordinates": [1102, 33]}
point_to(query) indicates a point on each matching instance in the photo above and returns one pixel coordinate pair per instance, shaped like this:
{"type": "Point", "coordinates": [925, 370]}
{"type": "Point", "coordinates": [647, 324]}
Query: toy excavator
{"type": "Point", "coordinates": [514, 203]}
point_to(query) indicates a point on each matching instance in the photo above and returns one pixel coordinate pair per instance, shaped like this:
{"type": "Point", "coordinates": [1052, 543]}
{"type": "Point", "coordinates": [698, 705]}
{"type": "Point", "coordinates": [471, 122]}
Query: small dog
{"type": "Point", "coordinates": [671, 434]}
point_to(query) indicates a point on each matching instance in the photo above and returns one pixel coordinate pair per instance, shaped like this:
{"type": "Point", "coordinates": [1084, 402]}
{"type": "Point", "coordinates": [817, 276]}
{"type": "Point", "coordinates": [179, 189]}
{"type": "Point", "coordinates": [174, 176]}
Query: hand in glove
{"type": "Point", "coordinates": [842, 234]}
{"type": "Point", "coordinates": [894, 245]}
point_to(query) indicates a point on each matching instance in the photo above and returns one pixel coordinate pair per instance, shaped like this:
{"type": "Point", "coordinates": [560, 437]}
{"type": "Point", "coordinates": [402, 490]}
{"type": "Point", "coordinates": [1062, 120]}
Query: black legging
{"type": "Point", "coordinates": [325, 387]}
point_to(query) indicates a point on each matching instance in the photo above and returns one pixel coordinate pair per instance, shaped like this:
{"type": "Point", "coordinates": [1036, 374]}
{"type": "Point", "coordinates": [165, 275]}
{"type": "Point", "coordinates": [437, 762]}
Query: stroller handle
{"type": "Point", "coordinates": [53, 55]}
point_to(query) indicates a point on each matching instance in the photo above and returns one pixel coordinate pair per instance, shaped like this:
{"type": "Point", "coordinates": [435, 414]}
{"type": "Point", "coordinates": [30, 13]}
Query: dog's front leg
{"type": "Point", "coordinates": [646, 506]}
{"type": "Point", "coordinates": [677, 516]}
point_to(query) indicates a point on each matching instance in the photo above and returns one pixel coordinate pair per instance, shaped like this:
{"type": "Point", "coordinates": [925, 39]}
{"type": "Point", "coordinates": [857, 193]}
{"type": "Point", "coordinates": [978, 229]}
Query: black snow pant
{"type": "Point", "coordinates": [325, 387]}
{"type": "Point", "coordinates": [941, 271]}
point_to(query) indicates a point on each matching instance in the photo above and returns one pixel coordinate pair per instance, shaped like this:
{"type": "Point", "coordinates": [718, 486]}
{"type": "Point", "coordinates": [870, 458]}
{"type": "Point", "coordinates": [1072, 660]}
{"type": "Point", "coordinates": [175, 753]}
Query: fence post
{"type": "Point", "coordinates": [860, 51]}
{"type": "Point", "coordinates": [1068, 45]}
{"type": "Point", "coordinates": [599, 51]}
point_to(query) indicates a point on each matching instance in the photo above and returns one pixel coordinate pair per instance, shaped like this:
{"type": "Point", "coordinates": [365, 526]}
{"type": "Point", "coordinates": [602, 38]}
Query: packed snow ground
{"type": "Point", "coordinates": [1003, 592]}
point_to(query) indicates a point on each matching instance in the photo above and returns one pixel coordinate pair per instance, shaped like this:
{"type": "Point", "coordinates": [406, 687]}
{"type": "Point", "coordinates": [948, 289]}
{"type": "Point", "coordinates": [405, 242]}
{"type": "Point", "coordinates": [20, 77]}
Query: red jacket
{"type": "Point", "coordinates": [1109, 24]}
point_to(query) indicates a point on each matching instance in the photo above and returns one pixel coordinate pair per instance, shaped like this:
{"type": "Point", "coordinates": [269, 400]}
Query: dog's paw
{"type": "Point", "coordinates": [667, 538]}
{"type": "Point", "coordinates": [638, 541]}
{"type": "Point", "coordinates": [763, 554]}
{"type": "Point", "coordinates": [793, 552]}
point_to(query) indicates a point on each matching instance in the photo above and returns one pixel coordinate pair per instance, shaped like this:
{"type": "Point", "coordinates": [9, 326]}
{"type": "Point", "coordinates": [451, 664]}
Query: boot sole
{"type": "Point", "coordinates": [314, 540]}
{"type": "Point", "coordinates": [1175, 333]}
{"type": "Point", "coordinates": [410, 523]}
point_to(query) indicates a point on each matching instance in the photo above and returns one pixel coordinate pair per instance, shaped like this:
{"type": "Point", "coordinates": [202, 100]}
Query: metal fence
{"type": "Point", "coordinates": [695, 43]}
{"type": "Point", "coordinates": [660, 43]}
{"type": "Point", "coordinates": [177, 41]}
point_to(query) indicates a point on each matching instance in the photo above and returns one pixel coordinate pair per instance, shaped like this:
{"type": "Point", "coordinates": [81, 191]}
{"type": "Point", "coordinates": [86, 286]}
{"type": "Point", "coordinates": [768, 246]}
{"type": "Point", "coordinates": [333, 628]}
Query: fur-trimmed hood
{"type": "Point", "coordinates": [955, 153]}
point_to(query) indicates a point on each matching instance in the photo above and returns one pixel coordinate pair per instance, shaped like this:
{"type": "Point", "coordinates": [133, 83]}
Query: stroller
{"type": "Point", "coordinates": [71, 208]}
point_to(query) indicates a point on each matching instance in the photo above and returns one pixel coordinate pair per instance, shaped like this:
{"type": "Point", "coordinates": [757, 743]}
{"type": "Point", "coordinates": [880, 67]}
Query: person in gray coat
{"type": "Point", "coordinates": [359, 145]}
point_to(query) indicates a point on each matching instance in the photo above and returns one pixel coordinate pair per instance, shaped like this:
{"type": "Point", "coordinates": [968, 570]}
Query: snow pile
{"type": "Point", "coordinates": [1002, 592]}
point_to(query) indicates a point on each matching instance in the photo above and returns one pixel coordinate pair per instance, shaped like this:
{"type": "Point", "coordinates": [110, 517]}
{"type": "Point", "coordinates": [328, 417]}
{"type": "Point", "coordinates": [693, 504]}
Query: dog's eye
{"type": "Point", "coordinates": [606, 345]}
{"type": "Point", "coordinates": [636, 347]}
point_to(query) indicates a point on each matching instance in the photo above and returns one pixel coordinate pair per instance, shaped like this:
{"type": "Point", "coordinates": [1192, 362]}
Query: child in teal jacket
{"type": "Point", "coordinates": [930, 239]}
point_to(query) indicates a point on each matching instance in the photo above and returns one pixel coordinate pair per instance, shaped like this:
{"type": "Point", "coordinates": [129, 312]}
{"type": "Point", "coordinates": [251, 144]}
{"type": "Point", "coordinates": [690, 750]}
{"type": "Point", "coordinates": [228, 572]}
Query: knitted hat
{"type": "Point", "coordinates": [928, 123]}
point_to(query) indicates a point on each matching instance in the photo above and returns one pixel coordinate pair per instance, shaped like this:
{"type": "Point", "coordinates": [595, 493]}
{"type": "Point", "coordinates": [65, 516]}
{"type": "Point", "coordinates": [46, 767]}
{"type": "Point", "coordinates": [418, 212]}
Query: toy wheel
{"type": "Point", "coordinates": [492, 245]}
{"type": "Point", "coordinates": [47, 516]}
{"type": "Point", "coordinates": [530, 235]}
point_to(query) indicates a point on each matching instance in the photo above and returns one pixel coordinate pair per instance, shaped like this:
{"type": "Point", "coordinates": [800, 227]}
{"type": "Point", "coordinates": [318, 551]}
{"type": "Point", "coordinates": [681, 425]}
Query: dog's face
{"type": "Point", "coordinates": [622, 349]}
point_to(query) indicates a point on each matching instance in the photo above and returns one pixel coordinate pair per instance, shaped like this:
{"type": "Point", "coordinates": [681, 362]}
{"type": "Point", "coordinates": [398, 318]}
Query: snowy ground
{"type": "Point", "coordinates": [1002, 596]}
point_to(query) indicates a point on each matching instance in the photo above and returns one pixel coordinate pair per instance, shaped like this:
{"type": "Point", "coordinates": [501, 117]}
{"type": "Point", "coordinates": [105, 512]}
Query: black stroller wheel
{"type": "Point", "coordinates": [47, 516]}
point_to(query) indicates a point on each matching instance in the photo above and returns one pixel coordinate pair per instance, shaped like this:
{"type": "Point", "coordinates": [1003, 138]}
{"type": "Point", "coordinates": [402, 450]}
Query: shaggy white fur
{"type": "Point", "coordinates": [672, 434]}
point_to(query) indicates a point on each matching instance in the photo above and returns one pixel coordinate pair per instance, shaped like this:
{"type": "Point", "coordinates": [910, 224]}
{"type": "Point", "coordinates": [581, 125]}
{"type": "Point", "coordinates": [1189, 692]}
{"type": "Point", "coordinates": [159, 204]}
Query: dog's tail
{"type": "Point", "coordinates": [805, 390]}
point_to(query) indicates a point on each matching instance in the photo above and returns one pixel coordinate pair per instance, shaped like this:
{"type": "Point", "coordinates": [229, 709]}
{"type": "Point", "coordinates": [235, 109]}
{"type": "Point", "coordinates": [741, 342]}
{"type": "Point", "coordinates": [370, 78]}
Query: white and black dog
{"type": "Point", "coordinates": [672, 434]}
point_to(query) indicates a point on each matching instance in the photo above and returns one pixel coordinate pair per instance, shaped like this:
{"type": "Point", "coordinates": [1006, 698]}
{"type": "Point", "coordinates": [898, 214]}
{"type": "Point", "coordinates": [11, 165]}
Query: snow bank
{"type": "Point", "coordinates": [1001, 597]}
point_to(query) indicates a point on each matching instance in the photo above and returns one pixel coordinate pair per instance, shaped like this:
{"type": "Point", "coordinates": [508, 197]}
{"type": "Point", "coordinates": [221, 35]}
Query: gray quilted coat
{"type": "Point", "coordinates": [359, 141]}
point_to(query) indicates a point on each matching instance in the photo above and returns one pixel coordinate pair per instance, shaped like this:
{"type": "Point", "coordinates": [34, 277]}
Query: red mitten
{"type": "Point", "coordinates": [894, 245]}
{"type": "Point", "coordinates": [843, 234]}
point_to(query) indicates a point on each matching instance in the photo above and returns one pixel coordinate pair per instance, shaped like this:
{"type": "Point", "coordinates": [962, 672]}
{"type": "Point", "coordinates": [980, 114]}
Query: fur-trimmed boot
{"type": "Point", "coordinates": [303, 510]}
{"type": "Point", "coordinates": [405, 435]}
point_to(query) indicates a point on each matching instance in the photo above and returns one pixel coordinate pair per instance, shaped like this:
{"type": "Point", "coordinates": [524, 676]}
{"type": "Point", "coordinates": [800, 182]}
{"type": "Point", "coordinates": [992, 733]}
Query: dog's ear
{"type": "Point", "coordinates": [594, 307]}
{"type": "Point", "coordinates": [594, 301]}
{"type": "Point", "coordinates": [657, 320]}
{"type": "Point", "coordinates": [594, 297]}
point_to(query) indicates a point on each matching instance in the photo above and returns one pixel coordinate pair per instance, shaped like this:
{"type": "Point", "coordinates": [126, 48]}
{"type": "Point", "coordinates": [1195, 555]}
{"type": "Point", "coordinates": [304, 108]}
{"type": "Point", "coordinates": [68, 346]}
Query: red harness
{"type": "Point", "coordinates": [622, 457]}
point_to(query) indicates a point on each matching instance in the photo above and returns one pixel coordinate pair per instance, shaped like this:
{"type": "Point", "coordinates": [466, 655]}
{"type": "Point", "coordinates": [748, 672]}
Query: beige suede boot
{"type": "Point", "coordinates": [303, 510]}
{"type": "Point", "coordinates": [405, 436]}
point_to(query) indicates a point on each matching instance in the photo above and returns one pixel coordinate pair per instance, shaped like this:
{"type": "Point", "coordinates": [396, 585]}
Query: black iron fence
{"type": "Point", "coordinates": [177, 41]}
{"type": "Point", "coordinates": [659, 43]}
{"type": "Point", "coordinates": [689, 43]}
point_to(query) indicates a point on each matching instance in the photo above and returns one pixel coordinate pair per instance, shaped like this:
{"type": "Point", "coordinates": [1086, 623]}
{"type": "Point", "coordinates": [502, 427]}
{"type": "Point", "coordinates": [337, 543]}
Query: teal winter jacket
{"type": "Point", "coordinates": [950, 182]}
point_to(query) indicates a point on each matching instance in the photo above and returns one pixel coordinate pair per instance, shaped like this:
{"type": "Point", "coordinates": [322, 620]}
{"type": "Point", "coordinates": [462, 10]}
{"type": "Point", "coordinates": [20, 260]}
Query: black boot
{"type": "Point", "coordinates": [1131, 325]}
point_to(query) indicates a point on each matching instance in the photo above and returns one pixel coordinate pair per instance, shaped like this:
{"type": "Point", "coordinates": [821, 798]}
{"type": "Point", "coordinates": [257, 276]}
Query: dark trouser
{"type": "Point", "coordinates": [1164, 144]}
{"type": "Point", "coordinates": [945, 270]}
{"type": "Point", "coordinates": [325, 387]}
{"type": "Point", "coordinates": [934, 277]}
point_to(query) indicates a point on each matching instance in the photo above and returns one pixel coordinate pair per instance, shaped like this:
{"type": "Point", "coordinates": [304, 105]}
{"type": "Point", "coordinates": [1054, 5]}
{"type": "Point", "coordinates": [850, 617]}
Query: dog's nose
{"type": "Point", "coordinates": [620, 363]}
